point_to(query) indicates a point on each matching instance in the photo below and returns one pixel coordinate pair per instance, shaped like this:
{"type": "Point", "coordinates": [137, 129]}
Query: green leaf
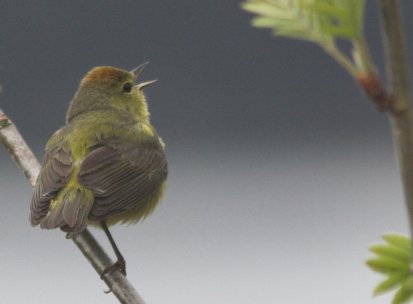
{"type": "Point", "coordinates": [340, 18]}
{"type": "Point", "coordinates": [398, 240]}
{"type": "Point", "coordinates": [263, 22]}
{"type": "Point", "coordinates": [388, 265]}
{"type": "Point", "coordinates": [289, 18]}
{"type": "Point", "coordinates": [390, 251]}
{"type": "Point", "coordinates": [404, 294]}
{"type": "Point", "coordinates": [263, 9]}
{"type": "Point", "coordinates": [390, 283]}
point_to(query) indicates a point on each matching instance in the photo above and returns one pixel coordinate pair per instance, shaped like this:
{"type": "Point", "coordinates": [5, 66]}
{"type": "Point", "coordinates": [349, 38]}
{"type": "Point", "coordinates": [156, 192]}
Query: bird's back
{"type": "Point", "coordinates": [103, 165]}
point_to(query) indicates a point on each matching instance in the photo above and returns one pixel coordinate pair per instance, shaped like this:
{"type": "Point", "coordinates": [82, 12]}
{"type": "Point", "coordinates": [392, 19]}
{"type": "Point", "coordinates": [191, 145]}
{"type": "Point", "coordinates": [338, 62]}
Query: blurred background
{"type": "Point", "coordinates": [281, 171]}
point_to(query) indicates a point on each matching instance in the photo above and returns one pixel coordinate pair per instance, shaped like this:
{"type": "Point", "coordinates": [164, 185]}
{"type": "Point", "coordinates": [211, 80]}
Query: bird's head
{"type": "Point", "coordinates": [106, 88]}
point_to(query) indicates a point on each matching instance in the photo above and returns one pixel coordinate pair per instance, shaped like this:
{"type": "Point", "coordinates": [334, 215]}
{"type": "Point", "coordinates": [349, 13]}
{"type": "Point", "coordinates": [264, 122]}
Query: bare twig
{"type": "Point", "coordinates": [402, 116]}
{"type": "Point", "coordinates": [116, 281]}
{"type": "Point", "coordinates": [14, 143]}
{"type": "Point", "coordinates": [18, 149]}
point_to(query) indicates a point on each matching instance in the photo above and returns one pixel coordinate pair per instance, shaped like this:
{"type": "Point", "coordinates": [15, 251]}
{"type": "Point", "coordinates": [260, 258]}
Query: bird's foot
{"type": "Point", "coordinates": [118, 265]}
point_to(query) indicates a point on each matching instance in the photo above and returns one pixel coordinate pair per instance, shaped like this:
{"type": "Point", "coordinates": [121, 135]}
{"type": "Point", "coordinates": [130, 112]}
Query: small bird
{"type": "Point", "coordinates": [107, 165]}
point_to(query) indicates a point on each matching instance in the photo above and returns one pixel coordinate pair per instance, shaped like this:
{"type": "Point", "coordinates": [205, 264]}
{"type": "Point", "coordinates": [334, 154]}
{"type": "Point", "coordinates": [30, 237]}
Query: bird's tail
{"type": "Point", "coordinates": [69, 210]}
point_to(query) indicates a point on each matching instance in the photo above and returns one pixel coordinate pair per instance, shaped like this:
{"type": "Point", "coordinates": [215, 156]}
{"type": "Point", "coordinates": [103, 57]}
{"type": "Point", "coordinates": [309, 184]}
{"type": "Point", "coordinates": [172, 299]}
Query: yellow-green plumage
{"type": "Point", "coordinates": [107, 163]}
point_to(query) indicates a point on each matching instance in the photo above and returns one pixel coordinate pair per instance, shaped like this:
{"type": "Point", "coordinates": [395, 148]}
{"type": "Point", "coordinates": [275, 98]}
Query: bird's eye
{"type": "Point", "coordinates": [127, 87]}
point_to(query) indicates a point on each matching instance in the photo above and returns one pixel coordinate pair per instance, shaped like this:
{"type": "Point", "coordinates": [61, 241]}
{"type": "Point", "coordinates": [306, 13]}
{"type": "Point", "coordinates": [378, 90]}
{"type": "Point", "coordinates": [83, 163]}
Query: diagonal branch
{"type": "Point", "coordinates": [16, 146]}
{"type": "Point", "coordinates": [14, 143]}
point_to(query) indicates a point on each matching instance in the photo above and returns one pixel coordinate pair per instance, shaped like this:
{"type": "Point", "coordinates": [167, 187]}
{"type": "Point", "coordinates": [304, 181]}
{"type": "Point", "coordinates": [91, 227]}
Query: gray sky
{"type": "Point", "coordinates": [281, 171]}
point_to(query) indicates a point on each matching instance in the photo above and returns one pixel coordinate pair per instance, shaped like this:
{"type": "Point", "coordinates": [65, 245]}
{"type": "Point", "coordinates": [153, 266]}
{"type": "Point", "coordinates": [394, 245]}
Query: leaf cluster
{"type": "Point", "coordinates": [319, 21]}
{"type": "Point", "coordinates": [392, 259]}
{"type": "Point", "coordinates": [315, 20]}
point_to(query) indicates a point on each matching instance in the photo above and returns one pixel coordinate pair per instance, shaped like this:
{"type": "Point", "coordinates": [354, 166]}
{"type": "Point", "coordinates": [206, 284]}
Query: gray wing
{"type": "Point", "coordinates": [121, 176]}
{"type": "Point", "coordinates": [54, 174]}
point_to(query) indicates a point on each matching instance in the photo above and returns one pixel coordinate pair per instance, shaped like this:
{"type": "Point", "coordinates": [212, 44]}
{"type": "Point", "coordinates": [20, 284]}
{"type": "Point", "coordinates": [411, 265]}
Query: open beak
{"type": "Point", "coordinates": [137, 71]}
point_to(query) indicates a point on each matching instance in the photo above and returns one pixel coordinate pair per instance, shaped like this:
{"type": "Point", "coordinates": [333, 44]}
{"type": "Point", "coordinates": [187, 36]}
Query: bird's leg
{"type": "Point", "coordinates": [120, 263]}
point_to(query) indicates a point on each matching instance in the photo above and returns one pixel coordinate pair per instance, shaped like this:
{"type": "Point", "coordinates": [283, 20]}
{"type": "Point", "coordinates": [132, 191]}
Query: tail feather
{"type": "Point", "coordinates": [54, 218]}
{"type": "Point", "coordinates": [76, 211]}
{"type": "Point", "coordinates": [70, 211]}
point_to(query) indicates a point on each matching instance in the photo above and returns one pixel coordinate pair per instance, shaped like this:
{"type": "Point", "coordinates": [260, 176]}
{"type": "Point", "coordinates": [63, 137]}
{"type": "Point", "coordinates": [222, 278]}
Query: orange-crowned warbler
{"type": "Point", "coordinates": [107, 165]}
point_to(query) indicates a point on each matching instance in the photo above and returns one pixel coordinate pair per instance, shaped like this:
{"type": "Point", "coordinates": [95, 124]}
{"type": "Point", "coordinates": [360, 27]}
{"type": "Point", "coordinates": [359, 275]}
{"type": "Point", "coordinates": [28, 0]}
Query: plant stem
{"type": "Point", "coordinates": [333, 51]}
{"type": "Point", "coordinates": [401, 115]}
{"type": "Point", "coordinates": [14, 143]}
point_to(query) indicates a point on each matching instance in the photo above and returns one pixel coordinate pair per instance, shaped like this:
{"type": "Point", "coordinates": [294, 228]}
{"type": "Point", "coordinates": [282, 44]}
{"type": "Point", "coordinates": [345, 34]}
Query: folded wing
{"type": "Point", "coordinates": [54, 174]}
{"type": "Point", "coordinates": [122, 176]}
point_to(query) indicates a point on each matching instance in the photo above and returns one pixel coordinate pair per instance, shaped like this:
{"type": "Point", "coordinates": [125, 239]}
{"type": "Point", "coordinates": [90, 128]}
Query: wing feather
{"type": "Point", "coordinates": [54, 174]}
{"type": "Point", "coordinates": [122, 176]}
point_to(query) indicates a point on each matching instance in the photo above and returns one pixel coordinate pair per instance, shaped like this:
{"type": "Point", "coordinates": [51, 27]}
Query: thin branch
{"type": "Point", "coordinates": [116, 281]}
{"type": "Point", "coordinates": [14, 143]}
{"type": "Point", "coordinates": [18, 149]}
{"type": "Point", "coordinates": [401, 116]}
